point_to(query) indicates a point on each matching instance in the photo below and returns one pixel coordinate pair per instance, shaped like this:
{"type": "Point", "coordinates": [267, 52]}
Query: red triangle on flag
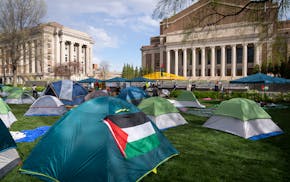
{"type": "Point", "coordinates": [119, 135]}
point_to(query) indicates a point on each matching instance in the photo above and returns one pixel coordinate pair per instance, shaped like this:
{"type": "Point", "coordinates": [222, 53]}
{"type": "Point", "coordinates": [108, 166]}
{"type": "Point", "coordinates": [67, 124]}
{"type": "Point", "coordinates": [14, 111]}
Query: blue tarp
{"type": "Point", "coordinates": [117, 79]}
{"type": "Point", "coordinates": [141, 79]}
{"type": "Point", "coordinates": [90, 80]}
{"type": "Point", "coordinates": [31, 135]}
{"type": "Point", "coordinates": [261, 78]}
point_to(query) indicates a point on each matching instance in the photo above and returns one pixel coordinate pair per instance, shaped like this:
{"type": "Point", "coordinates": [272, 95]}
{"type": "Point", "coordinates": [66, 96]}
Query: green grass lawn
{"type": "Point", "coordinates": [205, 154]}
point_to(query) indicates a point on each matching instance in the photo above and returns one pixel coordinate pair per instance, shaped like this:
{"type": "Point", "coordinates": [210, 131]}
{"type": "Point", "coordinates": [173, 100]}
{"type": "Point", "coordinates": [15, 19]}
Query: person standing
{"type": "Point", "coordinates": [34, 92]}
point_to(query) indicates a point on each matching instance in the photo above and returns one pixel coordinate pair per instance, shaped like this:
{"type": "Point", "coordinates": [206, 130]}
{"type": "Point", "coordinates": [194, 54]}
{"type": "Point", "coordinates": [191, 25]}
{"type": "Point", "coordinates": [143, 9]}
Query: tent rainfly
{"type": "Point", "coordinates": [9, 157]}
{"type": "Point", "coordinates": [6, 114]}
{"type": "Point", "coordinates": [186, 99]}
{"type": "Point", "coordinates": [243, 117]}
{"type": "Point", "coordinates": [46, 105]}
{"type": "Point", "coordinates": [69, 92]}
{"type": "Point", "coordinates": [133, 95]}
{"type": "Point", "coordinates": [103, 139]}
{"type": "Point", "coordinates": [161, 112]}
{"type": "Point", "coordinates": [96, 93]}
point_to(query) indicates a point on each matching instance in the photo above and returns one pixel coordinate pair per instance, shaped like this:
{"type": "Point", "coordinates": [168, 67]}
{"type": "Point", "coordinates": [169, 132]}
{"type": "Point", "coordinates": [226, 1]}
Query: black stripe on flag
{"type": "Point", "coordinates": [128, 120]}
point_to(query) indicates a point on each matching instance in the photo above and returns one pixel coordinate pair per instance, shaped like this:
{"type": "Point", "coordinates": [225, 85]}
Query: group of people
{"type": "Point", "coordinates": [155, 89]}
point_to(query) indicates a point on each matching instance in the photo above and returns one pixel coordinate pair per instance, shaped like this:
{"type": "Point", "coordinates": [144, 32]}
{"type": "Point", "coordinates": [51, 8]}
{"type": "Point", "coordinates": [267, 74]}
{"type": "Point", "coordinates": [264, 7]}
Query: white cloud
{"type": "Point", "coordinates": [113, 8]}
{"type": "Point", "coordinates": [102, 38]}
{"type": "Point", "coordinates": [147, 20]}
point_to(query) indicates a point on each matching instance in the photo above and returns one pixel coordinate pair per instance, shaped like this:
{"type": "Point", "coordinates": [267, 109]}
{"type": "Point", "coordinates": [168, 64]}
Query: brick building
{"type": "Point", "coordinates": [200, 45]}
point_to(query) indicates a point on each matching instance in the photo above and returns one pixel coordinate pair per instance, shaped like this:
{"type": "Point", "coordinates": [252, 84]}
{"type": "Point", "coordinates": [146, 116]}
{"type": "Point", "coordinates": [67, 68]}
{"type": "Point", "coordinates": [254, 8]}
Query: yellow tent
{"type": "Point", "coordinates": [163, 76]}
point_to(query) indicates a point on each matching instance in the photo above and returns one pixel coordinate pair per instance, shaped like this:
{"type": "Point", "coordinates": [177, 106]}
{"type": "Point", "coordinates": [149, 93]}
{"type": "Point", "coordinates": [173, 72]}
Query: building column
{"type": "Point", "coordinates": [223, 60]}
{"type": "Point", "coordinates": [70, 56]}
{"type": "Point", "coordinates": [56, 51]}
{"type": "Point", "coordinates": [32, 48]}
{"type": "Point", "coordinates": [185, 62]}
{"type": "Point", "coordinates": [203, 62]}
{"type": "Point", "coordinates": [44, 56]}
{"type": "Point", "coordinates": [27, 57]}
{"type": "Point", "coordinates": [38, 57]}
{"type": "Point", "coordinates": [168, 62]}
{"type": "Point", "coordinates": [90, 61]}
{"type": "Point", "coordinates": [79, 51]}
{"type": "Point", "coordinates": [245, 59]}
{"type": "Point", "coordinates": [176, 62]}
{"type": "Point", "coordinates": [62, 51]}
{"type": "Point", "coordinates": [161, 59]}
{"type": "Point", "coordinates": [153, 61]}
{"type": "Point", "coordinates": [193, 62]}
{"type": "Point", "coordinates": [234, 60]}
{"type": "Point", "coordinates": [258, 51]}
{"type": "Point", "coordinates": [21, 59]}
{"type": "Point", "coordinates": [86, 59]}
{"type": "Point", "coordinates": [212, 64]}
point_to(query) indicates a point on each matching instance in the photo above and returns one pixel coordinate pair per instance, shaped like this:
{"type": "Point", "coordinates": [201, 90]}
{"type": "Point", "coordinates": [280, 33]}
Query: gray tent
{"type": "Point", "coordinates": [46, 105]}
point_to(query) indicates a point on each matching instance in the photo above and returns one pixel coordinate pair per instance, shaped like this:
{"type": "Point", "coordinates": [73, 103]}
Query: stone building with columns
{"type": "Point", "coordinates": [51, 52]}
{"type": "Point", "coordinates": [200, 45]}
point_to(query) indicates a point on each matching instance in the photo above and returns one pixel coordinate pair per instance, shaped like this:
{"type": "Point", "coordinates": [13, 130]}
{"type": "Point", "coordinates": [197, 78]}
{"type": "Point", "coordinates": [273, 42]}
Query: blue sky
{"type": "Point", "coordinates": [119, 27]}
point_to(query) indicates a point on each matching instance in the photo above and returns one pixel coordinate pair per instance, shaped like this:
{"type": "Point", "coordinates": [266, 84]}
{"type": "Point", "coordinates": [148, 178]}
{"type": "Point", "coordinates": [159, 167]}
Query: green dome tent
{"type": "Point", "coordinates": [243, 117]}
{"type": "Point", "coordinates": [9, 157]}
{"type": "Point", "coordinates": [103, 139]}
{"type": "Point", "coordinates": [186, 99]}
{"type": "Point", "coordinates": [161, 112]}
{"type": "Point", "coordinates": [18, 96]}
{"type": "Point", "coordinates": [6, 115]}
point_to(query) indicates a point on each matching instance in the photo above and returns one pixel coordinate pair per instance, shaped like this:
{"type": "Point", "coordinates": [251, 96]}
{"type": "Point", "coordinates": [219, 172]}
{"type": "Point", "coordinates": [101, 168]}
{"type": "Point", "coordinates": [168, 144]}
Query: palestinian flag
{"type": "Point", "coordinates": [133, 133]}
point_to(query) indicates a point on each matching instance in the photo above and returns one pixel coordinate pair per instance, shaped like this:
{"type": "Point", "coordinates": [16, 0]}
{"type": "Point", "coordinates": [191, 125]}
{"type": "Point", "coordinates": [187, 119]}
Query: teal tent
{"type": "Point", "coordinates": [103, 139]}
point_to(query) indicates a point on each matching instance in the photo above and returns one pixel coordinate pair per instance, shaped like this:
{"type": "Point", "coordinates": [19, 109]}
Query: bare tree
{"type": "Point", "coordinates": [166, 8]}
{"type": "Point", "coordinates": [17, 19]}
{"type": "Point", "coordinates": [103, 69]}
{"type": "Point", "coordinates": [67, 70]}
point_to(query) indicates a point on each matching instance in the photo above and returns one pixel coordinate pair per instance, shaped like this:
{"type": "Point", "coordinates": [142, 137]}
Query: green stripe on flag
{"type": "Point", "coordinates": [142, 146]}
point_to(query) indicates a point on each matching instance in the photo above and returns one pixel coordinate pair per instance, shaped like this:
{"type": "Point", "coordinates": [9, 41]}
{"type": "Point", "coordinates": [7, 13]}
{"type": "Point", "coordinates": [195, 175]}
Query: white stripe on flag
{"type": "Point", "coordinates": [138, 132]}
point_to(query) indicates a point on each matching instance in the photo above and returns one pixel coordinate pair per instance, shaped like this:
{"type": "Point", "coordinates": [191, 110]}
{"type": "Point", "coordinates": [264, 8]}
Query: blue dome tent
{"type": "Point", "coordinates": [69, 92]}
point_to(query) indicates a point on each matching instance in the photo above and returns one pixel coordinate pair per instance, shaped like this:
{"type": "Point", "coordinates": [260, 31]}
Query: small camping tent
{"type": "Point", "coordinates": [133, 95]}
{"type": "Point", "coordinates": [161, 112]}
{"type": "Point", "coordinates": [96, 93]}
{"type": "Point", "coordinates": [6, 114]}
{"type": "Point", "coordinates": [243, 117]}
{"type": "Point", "coordinates": [18, 96]}
{"type": "Point", "coordinates": [186, 99]}
{"type": "Point", "coordinates": [103, 139]}
{"type": "Point", "coordinates": [69, 92]}
{"type": "Point", "coordinates": [46, 105]}
{"type": "Point", "coordinates": [9, 157]}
